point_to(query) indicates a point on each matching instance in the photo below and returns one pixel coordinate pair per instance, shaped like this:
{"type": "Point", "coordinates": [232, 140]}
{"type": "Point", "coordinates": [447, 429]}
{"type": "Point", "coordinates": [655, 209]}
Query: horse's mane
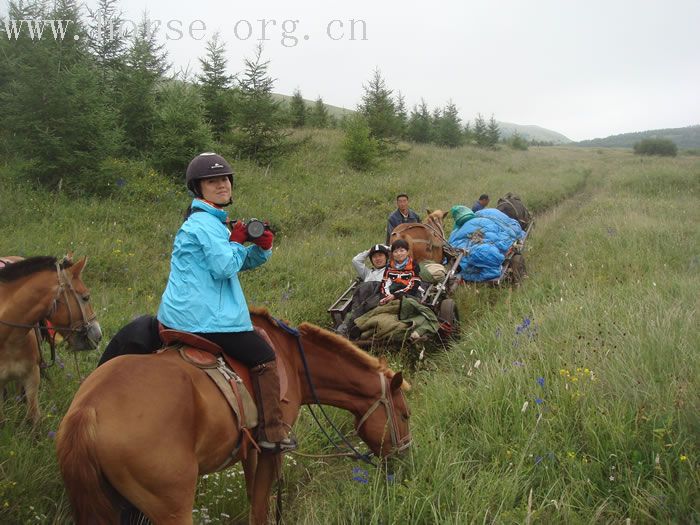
{"type": "Point", "coordinates": [339, 343]}
{"type": "Point", "coordinates": [29, 266]}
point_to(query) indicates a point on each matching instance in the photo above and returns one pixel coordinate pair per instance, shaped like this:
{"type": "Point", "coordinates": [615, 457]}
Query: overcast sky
{"type": "Point", "coordinates": [583, 68]}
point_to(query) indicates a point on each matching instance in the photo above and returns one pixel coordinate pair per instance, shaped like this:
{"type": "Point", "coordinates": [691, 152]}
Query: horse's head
{"type": "Point", "coordinates": [73, 316]}
{"type": "Point", "coordinates": [436, 218]}
{"type": "Point", "coordinates": [384, 426]}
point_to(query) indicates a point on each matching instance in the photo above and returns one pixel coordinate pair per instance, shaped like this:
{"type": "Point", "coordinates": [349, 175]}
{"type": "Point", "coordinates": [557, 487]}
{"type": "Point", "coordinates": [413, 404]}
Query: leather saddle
{"type": "Point", "coordinates": [231, 376]}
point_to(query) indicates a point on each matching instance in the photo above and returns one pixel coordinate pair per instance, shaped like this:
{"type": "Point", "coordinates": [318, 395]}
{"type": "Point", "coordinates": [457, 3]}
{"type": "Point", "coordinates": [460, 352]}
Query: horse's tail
{"type": "Point", "coordinates": [80, 468]}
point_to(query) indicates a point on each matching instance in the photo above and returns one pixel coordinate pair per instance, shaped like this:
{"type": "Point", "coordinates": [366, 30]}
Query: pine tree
{"type": "Point", "coordinates": [297, 110]}
{"type": "Point", "coordinates": [468, 133]}
{"type": "Point", "coordinates": [448, 129]}
{"type": "Point", "coordinates": [434, 122]}
{"type": "Point", "coordinates": [319, 117]}
{"type": "Point", "coordinates": [258, 134]}
{"type": "Point", "coordinates": [360, 149]}
{"type": "Point", "coordinates": [146, 63]}
{"type": "Point", "coordinates": [401, 115]}
{"type": "Point", "coordinates": [61, 118]}
{"type": "Point", "coordinates": [493, 132]}
{"type": "Point", "coordinates": [419, 124]}
{"type": "Point", "coordinates": [215, 86]}
{"type": "Point", "coordinates": [107, 41]}
{"type": "Point", "coordinates": [180, 131]}
{"type": "Point", "coordinates": [480, 132]}
{"type": "Point", "coordinates": [379, 109]}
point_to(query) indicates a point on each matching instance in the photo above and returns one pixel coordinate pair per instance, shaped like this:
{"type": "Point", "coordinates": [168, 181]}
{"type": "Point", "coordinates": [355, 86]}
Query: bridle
{"type": "Point", "coordinates": [399, 444]}
{"type": "Point", "coordinates": [77, 326]}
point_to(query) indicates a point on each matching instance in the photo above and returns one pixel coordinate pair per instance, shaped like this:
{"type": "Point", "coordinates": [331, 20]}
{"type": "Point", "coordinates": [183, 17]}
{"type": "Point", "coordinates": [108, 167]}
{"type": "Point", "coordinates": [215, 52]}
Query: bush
{"type": "Point", "coordinates": [130, 180]}
{"type": "Point", "coordinates": [664, 147]}
{"type": "Point", "coordinates": [360, 150]}
{"type": "Point", "coordinates": [517, 142]}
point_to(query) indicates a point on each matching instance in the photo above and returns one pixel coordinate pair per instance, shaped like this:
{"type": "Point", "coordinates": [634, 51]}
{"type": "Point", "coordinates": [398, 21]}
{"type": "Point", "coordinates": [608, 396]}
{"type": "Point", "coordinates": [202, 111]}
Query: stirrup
{"type": "Point", "coordinates": [286, 445]}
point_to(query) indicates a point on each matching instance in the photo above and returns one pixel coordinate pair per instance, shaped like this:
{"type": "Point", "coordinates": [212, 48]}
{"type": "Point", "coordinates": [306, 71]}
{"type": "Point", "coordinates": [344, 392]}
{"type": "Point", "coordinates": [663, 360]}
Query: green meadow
{"type": "Point", "coordinates": [573, 398]}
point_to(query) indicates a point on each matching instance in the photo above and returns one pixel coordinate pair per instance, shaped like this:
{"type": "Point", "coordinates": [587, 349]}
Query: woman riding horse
{"type": "Point", "coordinates": [204, 295]}
{"type": "Point", "coordinates": [142, 428]}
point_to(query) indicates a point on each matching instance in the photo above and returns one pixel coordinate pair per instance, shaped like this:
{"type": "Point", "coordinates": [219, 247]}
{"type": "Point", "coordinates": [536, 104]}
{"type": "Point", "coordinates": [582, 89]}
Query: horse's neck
{"type": "Point", "coordinates": [27, 300]}
{"type": "Point", "coordinates": [436, 224]}
{"type": "Point", "coordinates": [338, 379]}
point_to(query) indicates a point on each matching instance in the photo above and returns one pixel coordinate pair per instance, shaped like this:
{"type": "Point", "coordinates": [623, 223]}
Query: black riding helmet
{"type": "Point", "coordinates": [379, 248]}
{"type": "Point", "coordinates": [205, 166]}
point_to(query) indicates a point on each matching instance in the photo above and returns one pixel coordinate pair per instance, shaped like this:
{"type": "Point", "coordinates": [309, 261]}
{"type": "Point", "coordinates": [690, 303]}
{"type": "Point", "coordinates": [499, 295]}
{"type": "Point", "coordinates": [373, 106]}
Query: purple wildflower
{"type": "Point", "coordinates": [360, 475]}
{"type": "Point", "coordinates": [51, 434]}
{"type": "Point", "coordinates": [538, 460]}
{"type": "Point", "coordinates": [539, 400]}
{"type": "Point", "coordinates": [540, 381]}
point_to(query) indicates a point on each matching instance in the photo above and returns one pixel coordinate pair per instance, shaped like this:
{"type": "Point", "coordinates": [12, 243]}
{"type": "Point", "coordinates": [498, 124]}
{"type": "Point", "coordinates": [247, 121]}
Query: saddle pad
{"type": "Point", "coordinates": [236, 390]}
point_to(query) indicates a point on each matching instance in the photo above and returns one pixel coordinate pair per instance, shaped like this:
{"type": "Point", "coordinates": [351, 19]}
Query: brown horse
{"type": "Point", "coordinates": [144, 427]}
{"type": "Point", "coordinates": [32, 290]}
{"type": "Point", "coordinates": [425, 240]}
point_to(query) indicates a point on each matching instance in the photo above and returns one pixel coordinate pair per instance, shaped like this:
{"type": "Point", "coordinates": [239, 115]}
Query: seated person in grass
{"type": "Point", "coordinates": [371, 277]}
{"type": "Point", "coordinates": [402, 275]}
{"type": "Point", "coordinates": [378, 256]}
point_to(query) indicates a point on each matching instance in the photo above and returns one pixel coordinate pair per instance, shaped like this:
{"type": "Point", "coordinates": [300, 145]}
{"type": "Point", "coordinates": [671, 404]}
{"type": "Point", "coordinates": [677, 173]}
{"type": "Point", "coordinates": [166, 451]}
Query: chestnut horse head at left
{"type": "Point", "coordinates": [426, 239]}
{"type": "Point", "coordinates": [142, 428]}
{"type": "Point", "coordinates": [33, 290]}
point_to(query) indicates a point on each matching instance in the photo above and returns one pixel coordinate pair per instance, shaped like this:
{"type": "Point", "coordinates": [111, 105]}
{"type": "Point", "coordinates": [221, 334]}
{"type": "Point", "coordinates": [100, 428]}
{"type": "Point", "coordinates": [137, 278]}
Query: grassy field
{"type": "Point", "coordinates": [571, 399]}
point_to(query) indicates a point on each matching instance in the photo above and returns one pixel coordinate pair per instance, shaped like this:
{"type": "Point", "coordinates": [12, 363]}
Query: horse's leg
{"type": "Point", "coordinates": [250, 464]}
{"type": "Point", "coordinates": [267, 472]}
{"type": "Point", "coordinates": [164, 494]}
{"type": "Point", "coordinates": [3, 397]}
{"type": "Point", "coordinates": [31, 390]}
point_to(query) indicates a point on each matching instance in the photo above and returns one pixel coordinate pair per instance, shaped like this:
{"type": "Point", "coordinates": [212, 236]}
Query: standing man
{"type": "Point", "coordinates": [401, 215]}
{"type": "Point", "coordinates": [481, 203]}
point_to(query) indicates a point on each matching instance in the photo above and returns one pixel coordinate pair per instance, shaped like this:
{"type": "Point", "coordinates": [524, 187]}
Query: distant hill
{"type": "Point", "coordinates": [507, 128]}
{"type": "Point", "coordinates": [532, 133]}
{"type": "Point", "coordinates": [684, 138]}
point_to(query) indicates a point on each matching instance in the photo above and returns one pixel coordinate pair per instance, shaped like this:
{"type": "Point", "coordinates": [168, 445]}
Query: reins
{"type": "Point", "coordinates": [356, 454]}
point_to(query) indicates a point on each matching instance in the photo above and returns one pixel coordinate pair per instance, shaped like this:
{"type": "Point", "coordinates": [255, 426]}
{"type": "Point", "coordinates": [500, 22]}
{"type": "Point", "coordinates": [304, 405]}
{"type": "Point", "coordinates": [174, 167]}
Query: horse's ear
{"type": "Point", "coordinates": [427, 210]}
{"type": "Point", "coordinates": [396, 381]}
{"type": "Point", "coordinates": [444, 214]}
{"type": "Point", "coordinates": [77, 268]}
{"type": "Point", "coordinates": [68, 258]}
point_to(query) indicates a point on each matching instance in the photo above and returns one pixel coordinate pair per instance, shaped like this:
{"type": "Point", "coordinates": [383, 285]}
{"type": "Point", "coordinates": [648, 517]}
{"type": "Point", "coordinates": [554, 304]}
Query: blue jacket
{"type": "Point", "coordinates": [203, 292]}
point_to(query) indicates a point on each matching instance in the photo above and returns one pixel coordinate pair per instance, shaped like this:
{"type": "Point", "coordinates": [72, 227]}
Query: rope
{"type": "Point", "coordinates": [297, 335]}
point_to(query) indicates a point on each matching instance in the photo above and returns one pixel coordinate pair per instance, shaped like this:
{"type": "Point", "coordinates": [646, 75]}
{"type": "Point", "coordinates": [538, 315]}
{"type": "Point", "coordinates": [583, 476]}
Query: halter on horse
{"type": "Point", "coordinates": [426, 240]}
{"type": "Point", "coordinates": [32, 290]}
{"type": "Point", "coordinates": [147, 425]}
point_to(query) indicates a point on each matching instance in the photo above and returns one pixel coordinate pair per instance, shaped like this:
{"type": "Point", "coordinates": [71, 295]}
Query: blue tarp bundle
{"type": "Point", "coordinates": [496, 233]}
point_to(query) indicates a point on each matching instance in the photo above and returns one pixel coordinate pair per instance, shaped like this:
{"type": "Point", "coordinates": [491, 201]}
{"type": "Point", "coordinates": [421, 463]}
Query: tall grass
{"type": "Point", "coordinates": [571, 399]}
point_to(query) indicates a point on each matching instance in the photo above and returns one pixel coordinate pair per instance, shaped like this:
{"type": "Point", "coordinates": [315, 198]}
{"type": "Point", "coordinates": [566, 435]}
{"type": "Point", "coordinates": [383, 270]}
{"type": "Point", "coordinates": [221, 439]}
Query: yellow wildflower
{"type": "Point", "coordinates": [684, 457]}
